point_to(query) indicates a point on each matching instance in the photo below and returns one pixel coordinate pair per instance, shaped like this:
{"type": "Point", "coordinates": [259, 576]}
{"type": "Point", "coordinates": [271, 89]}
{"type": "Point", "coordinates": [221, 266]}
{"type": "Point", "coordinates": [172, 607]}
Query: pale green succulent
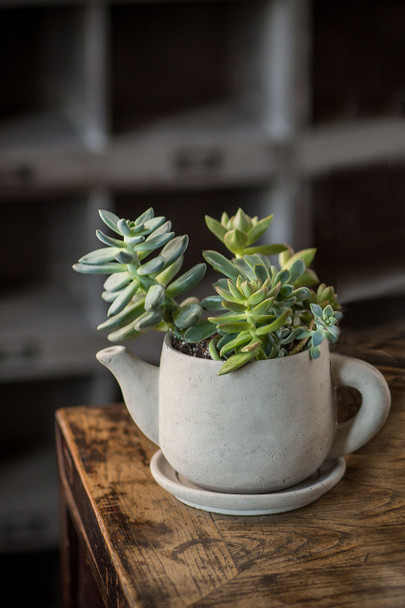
{"type": "Point", "coordinates": [239, 232]}
{"type": "Point", "coordinates": [267, 312]}
{"type": "Point", "coordinates": [140, 289]}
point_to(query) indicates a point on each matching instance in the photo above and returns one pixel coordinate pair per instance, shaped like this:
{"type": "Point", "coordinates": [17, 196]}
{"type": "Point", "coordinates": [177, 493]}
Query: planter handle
{"type": "Point", "coordinates": [376, 401]}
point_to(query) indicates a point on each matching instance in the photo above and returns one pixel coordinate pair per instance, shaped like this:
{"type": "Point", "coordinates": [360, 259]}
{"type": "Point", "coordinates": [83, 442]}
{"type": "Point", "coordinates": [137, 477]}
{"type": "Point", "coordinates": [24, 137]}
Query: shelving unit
{"type": "Point", "coordinates": [193, 107]}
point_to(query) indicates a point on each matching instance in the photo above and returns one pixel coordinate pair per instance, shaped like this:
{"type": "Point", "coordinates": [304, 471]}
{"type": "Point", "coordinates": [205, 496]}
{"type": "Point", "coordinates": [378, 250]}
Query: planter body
{"type": "Point", "coordinates": [264, 427]}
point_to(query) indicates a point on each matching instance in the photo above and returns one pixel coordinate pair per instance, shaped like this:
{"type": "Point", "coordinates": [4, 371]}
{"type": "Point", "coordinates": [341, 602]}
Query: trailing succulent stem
{"type": "Point", "coordinates": [260, 310]}
{"type": "Point", "coordinates": [141, 288]}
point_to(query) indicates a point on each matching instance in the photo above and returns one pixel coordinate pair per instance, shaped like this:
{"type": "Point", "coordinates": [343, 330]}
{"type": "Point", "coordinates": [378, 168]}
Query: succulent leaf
{"type": "Point", "coordinates": [187, 316]}
{"type": "Point", "coordinates": [212, 303]}
{"type": "Point", "coordinates": [316, 310]}
{"type": "Point", "coordinates": [261, 272]}
{"type": "Point", "coordinates": [297, 269]}
{"type": "Point", "coordinates": [215, 227]}
{"type": "Point", "coordinates": [128, 315]}
{"type": "Point", "coordinates": [308, 279]}
{"type": "Point", "coordinates": [149, 319]}
{"type": "Point", "coordinates": [213, 351]}
{"type": "Point", "coordinates": [225, 219]}
{"type": "Point", "coordinates": [155, 297]}
{"type": "Point", "coordinates": [123, 227]}
{"type": "Point", "coordinates": [137, 230]}
{"type": "Point", "coordinates": [170, 272]}
{"type": "Point", "coordinates": [150, 244]}
{"type": "Point", "coordinates": [235, 291]}
{"type": "Point", "coordinates": [272, 249]}
{"type": "Point", "coordinates": [317, 338]}
{"type": "Point", "coordinates": [235, 240]}
{"type": "Point", "coordinates": [155, 265]}
{"type": "Point", "coordinates": [110, 219]}
{"type": "Point", "coordinates": [99, 268]}
{"type": "Point", "coordinates": [221, 264]}
{"type": "Point", "coordinates": [262, 318]}
{"type": "Point", "coordinates": [189, 300]}
{"type": "Point", "coordinates": [201, 331]}
{"type": "Point", "coordinates": [187, 280]}
{"type": "Point", "coordinates": [128, 332]}
{"type": "Point", "coordinates": [257, 297]}
{"type": "Point", "coordinates": [126, 257]}
{"type": "Point", "coordinates": [228, 318]}
{"type": "Point", "coordinates": [305, 254]}
{"type": "Point", "coordinates": [108, 240]}
{"type": "Point", "coordinates": [100, 256]}
{"type": "Point", "coordinates": [226, 294]}
{"type": "Point", "coordinates": [226, 338]}
{"type": "Point", "coordinates": [108, 296]}
{"type": "Point", "coordinates": [333, 331]}
{"type": "Point", "coordinates": [259, 229]}
{"type": "Point", "coordinates": [267, 329]}
{"type": "Point", "coordinates": [235, 362]}
{"type": "Point", "coordinates": [123, 298]}
{"type": "Point", "coordinates": [153, 223]}
{"type": "Point", "coordinates": [242, 221]}
{"type": "Point", "coordinates": [284, 256]}
{"type": "Point", "coordinates": [251, 347]}
{"type": "Point", "coordinates": [264, 306]}
{"type": "Point", "coordinates": [240, 340]}
{"type": "Point", "coordinates": [233, 328]}
{"type": "Point", "coordinates": [174, 249]}
{"type": "Point", "coordinates": [245, 269]}
{"type": "Point", "coordinates": [234, 306]}
{"type": "Point", "coordinates": [165, 227]}
{"type": "Point", "coordinates": [134, 240]}
{"type": "Point", "coordinates": [145, 216]}
{"type": "Point", "coordinates": [275, 290]}
{"type": "Point", "coordinates": [302, 293]}
{"type": "Point", "coordinates": [282, 277]}
{"type": "Point", "coordinates": [247, 289]}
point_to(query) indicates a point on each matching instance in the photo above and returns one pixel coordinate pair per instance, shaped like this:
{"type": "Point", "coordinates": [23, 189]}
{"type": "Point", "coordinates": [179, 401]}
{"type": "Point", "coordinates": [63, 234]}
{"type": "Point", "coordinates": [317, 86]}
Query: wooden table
{"type": "Point", "coordinates": [126, 542]}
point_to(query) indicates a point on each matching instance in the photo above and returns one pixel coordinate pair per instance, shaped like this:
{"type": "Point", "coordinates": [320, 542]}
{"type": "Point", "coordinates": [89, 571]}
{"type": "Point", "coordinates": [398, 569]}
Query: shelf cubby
{"type": "Point", "coordinates": [353, 81]}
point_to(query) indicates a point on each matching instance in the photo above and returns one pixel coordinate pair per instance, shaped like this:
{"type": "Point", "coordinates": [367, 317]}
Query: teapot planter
{"type": "Point", "coordinates": [263, 439]}
{"type": "Point", "coordinates": [252, 429]}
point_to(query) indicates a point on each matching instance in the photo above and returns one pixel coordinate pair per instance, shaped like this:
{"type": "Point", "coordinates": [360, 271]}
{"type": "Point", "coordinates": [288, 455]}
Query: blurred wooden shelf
{"type": "Point", "coordinates": [45, 335]}
{"type": "Point", "coordinates": [346, 145]}
{"type": "Point", "coordinates": [221, 115]}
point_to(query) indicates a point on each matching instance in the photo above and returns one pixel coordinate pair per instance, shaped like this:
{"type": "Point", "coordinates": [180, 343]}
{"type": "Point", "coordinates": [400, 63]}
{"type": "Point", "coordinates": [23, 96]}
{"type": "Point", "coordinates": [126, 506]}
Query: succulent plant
{"type": "Point", "coordinates": [239, 232]}
{"type": "Point", "coordinates": [140, 289]}
{"type": "Point", "coordinates": [262, 310]}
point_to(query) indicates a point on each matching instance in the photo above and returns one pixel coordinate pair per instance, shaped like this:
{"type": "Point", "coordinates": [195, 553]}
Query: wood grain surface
{"type": "Point", "coordinates": [144, 548]}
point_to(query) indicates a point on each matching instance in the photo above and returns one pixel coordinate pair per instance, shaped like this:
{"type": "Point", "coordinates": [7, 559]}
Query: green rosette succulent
{"type": "Point", "coordinates": [263, 311]}
{"type": "Point", "coordinates": [143, 260]}
{"type": "Point", "coordinates": [239, 233]}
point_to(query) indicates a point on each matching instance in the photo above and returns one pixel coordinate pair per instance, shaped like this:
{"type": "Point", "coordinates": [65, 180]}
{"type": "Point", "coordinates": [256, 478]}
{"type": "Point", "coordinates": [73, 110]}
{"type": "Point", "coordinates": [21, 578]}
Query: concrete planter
{"type": "Point", "coordinates": [264, 428]}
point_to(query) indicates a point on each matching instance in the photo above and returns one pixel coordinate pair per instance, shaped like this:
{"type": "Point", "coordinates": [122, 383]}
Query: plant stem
{"type": "Point", "coordinates": [301, 344]}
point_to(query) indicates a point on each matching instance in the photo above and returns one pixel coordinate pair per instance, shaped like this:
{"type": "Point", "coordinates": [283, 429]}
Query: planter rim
{"type": "Point", "coordinates": [167, 343]}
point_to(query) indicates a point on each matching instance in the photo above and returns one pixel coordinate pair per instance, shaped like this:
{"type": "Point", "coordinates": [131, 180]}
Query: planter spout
{"type": "Point", "coordinates": [139, 382]}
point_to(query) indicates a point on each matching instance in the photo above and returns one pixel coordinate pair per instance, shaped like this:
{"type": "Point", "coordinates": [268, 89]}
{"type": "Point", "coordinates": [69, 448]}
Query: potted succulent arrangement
{"type": "Point", "coordinates": [242, 406]}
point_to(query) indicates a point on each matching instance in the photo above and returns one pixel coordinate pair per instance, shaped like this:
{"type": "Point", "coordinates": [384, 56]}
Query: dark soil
{"type": "Point", "coordinates": [199, 349]}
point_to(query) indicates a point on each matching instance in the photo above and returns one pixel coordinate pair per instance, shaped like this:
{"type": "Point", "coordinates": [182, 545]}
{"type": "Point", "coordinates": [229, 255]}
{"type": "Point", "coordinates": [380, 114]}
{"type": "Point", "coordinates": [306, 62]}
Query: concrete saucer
{"type": "Point", "coordinates": [300, 495]}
